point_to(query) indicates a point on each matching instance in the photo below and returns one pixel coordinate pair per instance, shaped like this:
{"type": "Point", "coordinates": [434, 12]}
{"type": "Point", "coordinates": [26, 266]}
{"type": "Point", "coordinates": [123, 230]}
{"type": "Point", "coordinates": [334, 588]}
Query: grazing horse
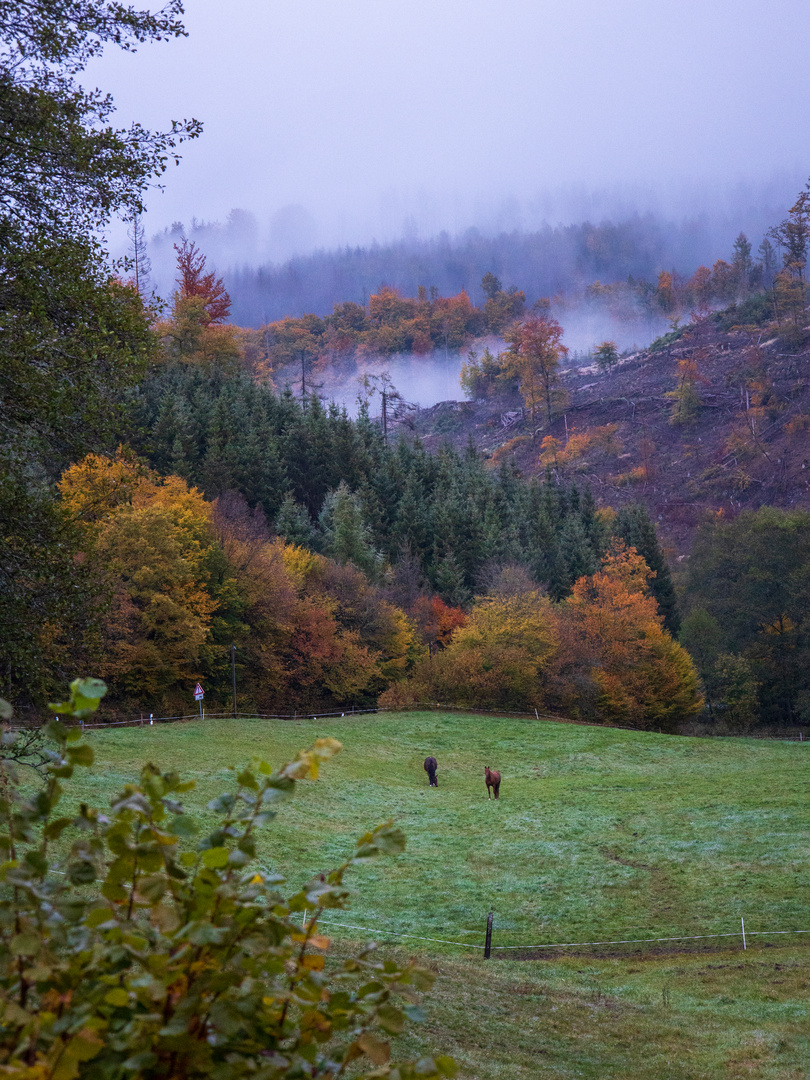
{"type": "Point", "coordinates": [431, 765]}
{"type": "Point", "coordinates": [493, 781]}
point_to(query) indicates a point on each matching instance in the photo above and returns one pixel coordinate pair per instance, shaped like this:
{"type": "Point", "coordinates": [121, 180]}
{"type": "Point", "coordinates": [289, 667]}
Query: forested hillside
{"type": "Point", "coordinates": [174, 485]}
{"type": "Point", "coordinates": [559, 260]}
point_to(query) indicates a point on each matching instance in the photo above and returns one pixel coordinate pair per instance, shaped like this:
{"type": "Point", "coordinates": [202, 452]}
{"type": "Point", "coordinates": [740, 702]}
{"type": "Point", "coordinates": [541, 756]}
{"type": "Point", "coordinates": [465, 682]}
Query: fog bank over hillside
{"type": "Point", "coordinates": [290, 261]}
{"type": "Point", "coordinates": [425, 379]}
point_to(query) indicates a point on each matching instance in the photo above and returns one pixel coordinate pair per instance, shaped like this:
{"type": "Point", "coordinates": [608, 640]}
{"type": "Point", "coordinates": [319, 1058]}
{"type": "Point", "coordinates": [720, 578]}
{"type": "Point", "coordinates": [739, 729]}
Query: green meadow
{"type": "Point", "coordinates": [599, 835]}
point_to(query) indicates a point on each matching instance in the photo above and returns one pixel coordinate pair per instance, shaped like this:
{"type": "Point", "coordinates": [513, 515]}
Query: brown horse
{"type": "Point", "coordinates": [431, 765]}
{"type": "Point", "coordinates": [493, 781]}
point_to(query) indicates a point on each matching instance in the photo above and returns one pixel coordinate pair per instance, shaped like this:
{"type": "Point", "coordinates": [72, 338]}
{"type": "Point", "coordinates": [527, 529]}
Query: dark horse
{"type": "Point", "coordinates": [493, 781]}
{"type": "Point", "coordinates": [431, 765]}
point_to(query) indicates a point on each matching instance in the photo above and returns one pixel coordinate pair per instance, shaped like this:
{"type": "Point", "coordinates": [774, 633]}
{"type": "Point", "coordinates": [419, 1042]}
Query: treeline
{"type": "Point", "coordinates": [554, 260]}
{"type": "Point", "coordinates": [747, 623]}
{"type": "Point", "coordinates": [446, 517]}
{"type": "Point", "coordinates": [176, 579]}
{"type": "Point", "coordinates": [392, 323]}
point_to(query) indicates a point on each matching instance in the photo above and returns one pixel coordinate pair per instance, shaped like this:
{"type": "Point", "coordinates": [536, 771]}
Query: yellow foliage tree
{"type": "Point", "coordinates": [497, 659]}
{"type": "Point", "coordinates": [149, 541]}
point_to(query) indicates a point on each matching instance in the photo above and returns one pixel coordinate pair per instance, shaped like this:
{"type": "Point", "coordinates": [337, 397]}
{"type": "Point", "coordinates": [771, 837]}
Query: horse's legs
{"type": "Point", "coordinates": [497, 790]}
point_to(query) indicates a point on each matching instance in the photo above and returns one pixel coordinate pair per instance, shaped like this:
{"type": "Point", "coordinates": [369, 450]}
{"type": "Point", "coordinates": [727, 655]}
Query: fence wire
{"type": "Point", "coordinates": [560, 944]}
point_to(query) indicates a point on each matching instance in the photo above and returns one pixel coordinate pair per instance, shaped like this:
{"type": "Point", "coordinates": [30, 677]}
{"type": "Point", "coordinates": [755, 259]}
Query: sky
{"type": "Point", "coordinates": [373, 119]}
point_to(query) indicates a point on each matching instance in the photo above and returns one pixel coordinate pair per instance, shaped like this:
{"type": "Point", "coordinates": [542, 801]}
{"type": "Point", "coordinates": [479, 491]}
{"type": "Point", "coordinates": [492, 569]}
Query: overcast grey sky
{"type": "Point", "coordinates": [380, 116]}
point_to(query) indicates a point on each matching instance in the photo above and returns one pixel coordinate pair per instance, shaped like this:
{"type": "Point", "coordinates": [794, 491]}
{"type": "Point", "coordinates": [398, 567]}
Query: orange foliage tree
{"type": "Point", "coordinates": [436, 621]}
{"type": "Point", "coordinates": [533, 358]}
{"type": "Point", "coordinates": [616, 662]}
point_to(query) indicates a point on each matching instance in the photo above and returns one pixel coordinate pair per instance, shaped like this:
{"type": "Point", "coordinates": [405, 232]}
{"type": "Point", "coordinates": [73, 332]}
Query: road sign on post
{"type": "Point", "coordinates": [198, 696]}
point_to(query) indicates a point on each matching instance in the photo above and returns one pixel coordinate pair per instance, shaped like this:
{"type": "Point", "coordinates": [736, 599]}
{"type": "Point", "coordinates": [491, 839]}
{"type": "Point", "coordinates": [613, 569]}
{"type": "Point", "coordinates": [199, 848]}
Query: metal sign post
{"type": "Point", "coordinates": [198, 696]}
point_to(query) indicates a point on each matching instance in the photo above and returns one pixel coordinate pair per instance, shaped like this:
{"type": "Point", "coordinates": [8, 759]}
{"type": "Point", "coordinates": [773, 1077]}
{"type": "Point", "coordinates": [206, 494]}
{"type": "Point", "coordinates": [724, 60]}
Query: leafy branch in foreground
{"type": "Point", "coordinates": [128, 950]}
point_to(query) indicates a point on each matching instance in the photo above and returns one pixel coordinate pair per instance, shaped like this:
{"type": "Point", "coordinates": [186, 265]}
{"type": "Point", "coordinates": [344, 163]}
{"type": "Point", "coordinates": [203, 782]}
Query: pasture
{"type": "Point", "coordinates": [598, 835]}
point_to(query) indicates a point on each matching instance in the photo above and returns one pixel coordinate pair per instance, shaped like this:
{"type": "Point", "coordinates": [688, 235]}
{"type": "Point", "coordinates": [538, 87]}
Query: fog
{"type": "Point", "coordinates": [370, 124]}
{"type": "Point", "coordinates": [421, 381]}
{"type": "Point", "coordinates": [342, 124]}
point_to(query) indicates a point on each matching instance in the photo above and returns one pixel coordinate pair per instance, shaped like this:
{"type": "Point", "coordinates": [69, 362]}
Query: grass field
{"type": "Point", "coordinates": [599, 834]}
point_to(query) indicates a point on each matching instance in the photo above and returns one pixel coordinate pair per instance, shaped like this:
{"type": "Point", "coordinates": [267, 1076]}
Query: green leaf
{"type": "Point", "coordinates": [81, 873]}
{"type": "Point", "coordinates": [391, 841]}
{"type": "Point", "coordinates": [247, 779]}
{"type": "Point", "coordinates": [415, 1013]}
{"type": "Point", "coordinates": [223, 804]}
{"type": "Point", "coordinates": [117, 997]}
{"type": "Point", "coordinates": [6, 711]}
{"type": "Point", "coordinates": [53, 830]}
{"type": "Point", "coordinates": [203, 933]}
{"type": "Point", "coordinates": [114, 892]}
{"type": "Point", "coordinates": [446, 1065]}
{"type": "Point", "coordinates": [80, 755]}
{"type": "Point", "coordinates": [152, 888]}
{"type": "Point", "coordinates": [25, 944]}
{"type": "Point", "coordinates": [215, 858]}
{"type": "Point", "coordinates": [391, 1019]}
{"type": "Point", "coordinates": [140, 1062]}
{"type": "Point", "coordinates": [85, 695]}
{"type": "Point", "coordinates": [37, 861]}
{"type": "Point", "coordinates": [100, 915]}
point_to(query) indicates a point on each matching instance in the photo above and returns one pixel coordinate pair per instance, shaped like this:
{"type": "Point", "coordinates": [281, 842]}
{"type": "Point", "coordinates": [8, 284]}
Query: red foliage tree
{"type": "Point", "coordinates": [193, 281]}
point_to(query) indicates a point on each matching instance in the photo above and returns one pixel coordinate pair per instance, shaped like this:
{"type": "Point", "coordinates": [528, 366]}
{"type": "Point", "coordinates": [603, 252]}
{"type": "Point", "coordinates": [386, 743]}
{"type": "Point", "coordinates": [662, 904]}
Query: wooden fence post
{"type": "Point", "coordinates": [488, 941]}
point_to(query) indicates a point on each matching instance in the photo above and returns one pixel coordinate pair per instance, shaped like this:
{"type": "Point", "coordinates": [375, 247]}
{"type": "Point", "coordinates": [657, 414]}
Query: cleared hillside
{"type": "Point", "coordinates": [745, 445]}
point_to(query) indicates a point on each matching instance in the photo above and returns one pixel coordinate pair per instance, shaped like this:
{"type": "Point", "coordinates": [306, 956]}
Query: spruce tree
{"type": "Point", "coordinates": [294, 524]}
{"type": "Point", "coordinates": [633, 525]}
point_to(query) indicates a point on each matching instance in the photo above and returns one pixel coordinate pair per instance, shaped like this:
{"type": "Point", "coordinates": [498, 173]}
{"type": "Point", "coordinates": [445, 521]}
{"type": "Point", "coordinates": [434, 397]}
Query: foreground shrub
{"type": "Point", "coordinates": [126, 951]}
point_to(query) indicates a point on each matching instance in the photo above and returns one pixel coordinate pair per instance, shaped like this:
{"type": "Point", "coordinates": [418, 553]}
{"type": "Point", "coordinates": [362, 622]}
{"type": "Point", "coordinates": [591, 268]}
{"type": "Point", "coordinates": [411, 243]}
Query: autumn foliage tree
{"type": "Point", "coordinates": [533, 358]}
{"type": "Point", "coordinates": [151, 544]}
{"type": "Point", "coordinates": [193, 281]}
{"type": "Point", "coordinates": [496, 659]}
{"type": "Point", "coordinates": [197, 329]}
{"type": "Point", "coordinates": [616, 661]}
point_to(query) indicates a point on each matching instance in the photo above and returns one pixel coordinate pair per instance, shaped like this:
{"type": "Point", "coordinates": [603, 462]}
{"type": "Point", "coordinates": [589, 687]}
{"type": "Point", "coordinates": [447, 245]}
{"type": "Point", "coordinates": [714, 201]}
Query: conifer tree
{"type": "Point", "coordinates": [346, 535]}
{"type": "Point", "coordinates": [295, 525]}
{"type": "Point", "coordinates": [633, 525]}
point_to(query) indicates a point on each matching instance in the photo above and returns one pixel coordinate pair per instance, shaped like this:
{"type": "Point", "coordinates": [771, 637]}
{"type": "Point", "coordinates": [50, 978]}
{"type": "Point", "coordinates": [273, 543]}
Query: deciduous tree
{"type": "Point", "coordinates": [534, 356]}
{"type": "Point", "coordinates": [615, 638]}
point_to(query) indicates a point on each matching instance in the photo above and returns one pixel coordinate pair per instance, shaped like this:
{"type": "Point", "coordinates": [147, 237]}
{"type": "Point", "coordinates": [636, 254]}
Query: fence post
{"type": "Point", "coordinates": [742, 924]}
{"type": "Point", "coordinates": [488, 940]}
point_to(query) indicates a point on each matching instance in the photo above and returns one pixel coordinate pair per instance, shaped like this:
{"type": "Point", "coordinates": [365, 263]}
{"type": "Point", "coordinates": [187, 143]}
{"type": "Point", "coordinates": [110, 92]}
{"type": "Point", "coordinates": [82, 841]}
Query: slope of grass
{"type": "Point", "coordinates": [599, 834]}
